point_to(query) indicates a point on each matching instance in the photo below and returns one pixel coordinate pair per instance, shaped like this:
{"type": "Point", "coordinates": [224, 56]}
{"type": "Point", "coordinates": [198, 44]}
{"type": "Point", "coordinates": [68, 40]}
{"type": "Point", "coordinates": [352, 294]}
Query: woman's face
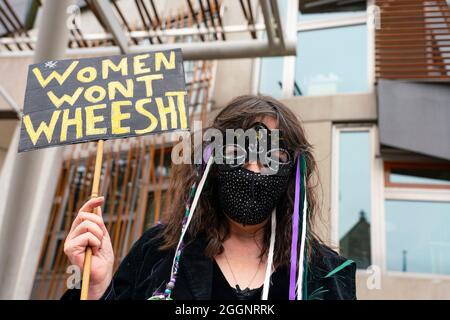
{"type": "Point", "coordinates": [249, 189]}
{"type": "Point", "coordinates": [271, 124]}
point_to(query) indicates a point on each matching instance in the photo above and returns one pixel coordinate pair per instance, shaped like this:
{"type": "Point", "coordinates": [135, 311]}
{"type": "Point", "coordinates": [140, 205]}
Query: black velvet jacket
{"type": "Point", "coordinates": [146, 269]}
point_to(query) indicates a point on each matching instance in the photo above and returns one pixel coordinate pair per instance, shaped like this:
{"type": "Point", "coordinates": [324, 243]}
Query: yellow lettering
{"type": "Point", "coordinates": [148, 82]}
{"type": "Point", "coordinates": [43, 127]}
{"type": "Point", "coordinates": [181, 106]}
{"type": "Point", "coordinates": [153, 121]}
{"type": "Point", "coordinates": [54, 75]}
{"type": "Point", "coordinates": [89, 94]}
{"type": "Point", "coordinates": [164, 111]}
{"type": "Point", "coordinates": [92, 74]}
{"type": "Point", "coordinates": [122, 66]}
{"type": "Point", "coordinates": [117, 116]}
{"type": "Point", "coordinates": [70, 99]}
{"type": "Point", "coordinates": [160, 57]}
{"type": "Point", "coordinates": [77, 121]}
{"type": "Point", "coordinates": [138, 65]}
{"type": "Point", "coordinates": [115, 86]}
{"type": "Point", "coordinates": [92, 119]}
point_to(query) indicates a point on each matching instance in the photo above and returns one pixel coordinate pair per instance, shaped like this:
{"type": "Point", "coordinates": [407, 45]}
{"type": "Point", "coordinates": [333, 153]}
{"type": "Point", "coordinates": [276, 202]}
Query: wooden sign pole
{"type": "Point", "coordinates": [94, 194]}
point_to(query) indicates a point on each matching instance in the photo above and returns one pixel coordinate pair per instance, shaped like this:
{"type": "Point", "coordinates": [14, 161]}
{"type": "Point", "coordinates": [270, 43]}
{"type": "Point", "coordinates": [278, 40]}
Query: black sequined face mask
{"type": "Point", "coordinates": [249, 197]}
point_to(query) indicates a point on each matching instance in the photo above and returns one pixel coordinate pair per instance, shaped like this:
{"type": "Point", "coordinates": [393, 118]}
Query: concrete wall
{"type": "Point", "coordinates": [234, 76]}
{"type": "Point", "coordinates": [6, 131]}
{"type": "Point", "coordinates": [403, 287]}
{"type": "Point", "coordinates": [13, 75]}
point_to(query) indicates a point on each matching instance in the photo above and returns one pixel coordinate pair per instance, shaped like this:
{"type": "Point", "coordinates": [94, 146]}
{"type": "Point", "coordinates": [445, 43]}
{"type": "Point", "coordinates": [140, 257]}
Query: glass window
{"type": "Point", "coordinates": [271, 76]}
{"type": "Point", "coordinates": [327, 15]}
{"type": "Point", "coordinates": [426, 175]}
{"type": "Point", "coordinates": [423, 176]}
{"type": "Point", "coordinates": [417, 236]}
{"type": "Point", "coordinates": [328, 61]}
{"type": "Point", "coordinates": [354, 196]}
{"type": "Point", "coordinates": [331, 61]}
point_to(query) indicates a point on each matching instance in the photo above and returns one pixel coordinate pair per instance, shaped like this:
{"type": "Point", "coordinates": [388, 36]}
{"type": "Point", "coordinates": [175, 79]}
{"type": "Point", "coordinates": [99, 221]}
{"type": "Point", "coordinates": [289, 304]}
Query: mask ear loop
{"type": "Point", "coordinates": [273, 228]}
{"type": "Point", "coordinates": [186, 221]}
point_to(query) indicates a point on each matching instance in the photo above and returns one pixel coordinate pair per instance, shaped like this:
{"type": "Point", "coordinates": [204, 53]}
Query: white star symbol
{"type": "Point", "coordinates": [51, 64]}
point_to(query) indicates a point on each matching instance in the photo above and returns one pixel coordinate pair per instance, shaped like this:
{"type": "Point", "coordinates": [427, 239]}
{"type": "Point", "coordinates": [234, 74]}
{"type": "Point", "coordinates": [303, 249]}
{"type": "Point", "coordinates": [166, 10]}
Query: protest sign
{"type": "Point", "coordinates": [78, 100]}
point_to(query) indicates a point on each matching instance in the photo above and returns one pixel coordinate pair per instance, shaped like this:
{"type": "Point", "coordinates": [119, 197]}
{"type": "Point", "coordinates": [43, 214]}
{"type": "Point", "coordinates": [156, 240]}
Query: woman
{"type": "Point", "coordinates": [235, 230]}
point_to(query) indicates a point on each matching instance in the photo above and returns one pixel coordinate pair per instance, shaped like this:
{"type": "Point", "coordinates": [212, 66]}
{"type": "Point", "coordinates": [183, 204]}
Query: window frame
{"type": "Point", "coordinates": [388, 165]}
{"type": "Point", "coordinates": [288, 72]}
{"type": "Point", "coordinates": [380, 192]}
{"type": "Point", "coordinates": [337, 129]}
{"type": "Point", "coordinates": [411, 192]}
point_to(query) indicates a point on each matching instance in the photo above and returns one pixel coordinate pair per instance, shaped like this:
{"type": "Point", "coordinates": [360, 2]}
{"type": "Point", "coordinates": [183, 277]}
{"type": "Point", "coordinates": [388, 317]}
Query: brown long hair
{"type": "Point", "coordinates": [208, 219]}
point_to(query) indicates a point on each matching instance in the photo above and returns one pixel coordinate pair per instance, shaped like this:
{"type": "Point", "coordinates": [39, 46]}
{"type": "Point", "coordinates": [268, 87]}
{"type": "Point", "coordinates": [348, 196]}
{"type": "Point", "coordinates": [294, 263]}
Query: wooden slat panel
{"type": "Point", "coordinates": [413, 41]}
{"type": "Point", "coordinates": [387, 29]}
{"type": "Point", "coordinates": [408, 35]}
{"type": "Point", "coordinates": [387, 59]}
{"type": "Point", "coordinates": [416, 77]}
{"type": "Point", "coordinates": [385, 53]}
{"type": "Point", "coordinates": [402, 65]}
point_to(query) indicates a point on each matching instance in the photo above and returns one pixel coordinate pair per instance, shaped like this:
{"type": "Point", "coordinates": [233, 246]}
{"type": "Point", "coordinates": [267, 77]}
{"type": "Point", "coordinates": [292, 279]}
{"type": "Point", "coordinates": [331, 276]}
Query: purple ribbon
{"type": "Point", "coordinates": [295, 222]}
{"type": "Point", "coordinates": [207, 153]}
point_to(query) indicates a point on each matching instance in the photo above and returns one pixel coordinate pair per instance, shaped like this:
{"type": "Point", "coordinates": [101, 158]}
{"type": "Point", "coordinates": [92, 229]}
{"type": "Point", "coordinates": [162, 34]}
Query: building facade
{"type": "Point", "coordinates": [370, 81]}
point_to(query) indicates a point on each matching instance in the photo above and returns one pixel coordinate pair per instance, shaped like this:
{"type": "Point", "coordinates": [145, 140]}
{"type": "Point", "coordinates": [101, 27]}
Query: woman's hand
{"type": "Point", "coordinates": [88, 230]}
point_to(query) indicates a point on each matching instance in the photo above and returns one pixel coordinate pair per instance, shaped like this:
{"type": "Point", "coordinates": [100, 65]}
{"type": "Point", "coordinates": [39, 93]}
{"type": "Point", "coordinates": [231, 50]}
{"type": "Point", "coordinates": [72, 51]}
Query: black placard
{"type": "Point", "coordinates": [78, 100]}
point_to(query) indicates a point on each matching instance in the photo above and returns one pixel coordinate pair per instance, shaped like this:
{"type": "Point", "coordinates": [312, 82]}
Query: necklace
{"type": "Point", "coordinates": [238, 289]}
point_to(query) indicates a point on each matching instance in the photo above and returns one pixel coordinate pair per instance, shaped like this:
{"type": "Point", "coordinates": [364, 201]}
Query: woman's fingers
{"type": "Point", "coordinates": [88, 226]}
{"type": "Point", "coordinates": [78, 245]}
{"type": "Point", "coordinates": [83, 216]}
{"type": "Point", "coordinates": [91, 204]}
